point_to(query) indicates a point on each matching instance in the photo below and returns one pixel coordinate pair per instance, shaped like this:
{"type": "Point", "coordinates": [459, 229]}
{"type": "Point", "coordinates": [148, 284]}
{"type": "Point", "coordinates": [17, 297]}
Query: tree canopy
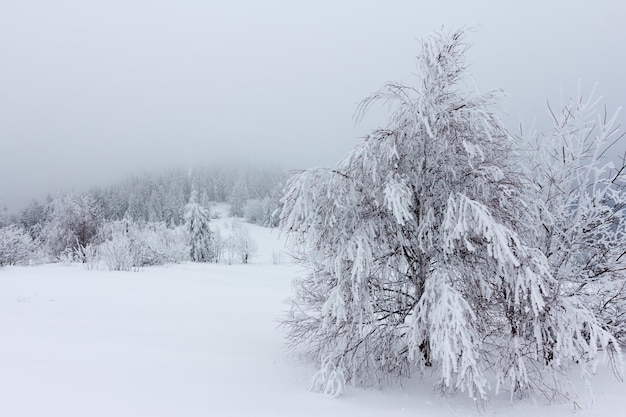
{"type": "Point", "coordinates": [424, 248]}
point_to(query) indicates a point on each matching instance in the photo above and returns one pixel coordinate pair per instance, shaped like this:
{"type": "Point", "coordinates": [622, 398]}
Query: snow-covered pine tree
{"type": "Point", "coordinates": [197, 220]}
{"type": "Point", "coordinates": [205, 201]}
{"type": "Point", "coordinates": [238, 196]}
{"type": "Point", "coordinates": [581, 195]}
{"type": "Point", "coordinates": [418, 249]}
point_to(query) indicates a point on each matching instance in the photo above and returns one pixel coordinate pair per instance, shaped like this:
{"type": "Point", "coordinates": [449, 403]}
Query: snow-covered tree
{"type": "Point", "coordinates": [32, 218]}
{"type": "Point", "coordinates": [421, 246]}
{"type": "Point", "coordinates": [266, 211]}
{"type": "Point", "coordinates": [72, 220]}
{"type": "Point", "coordinates": [4, 216]}
{"type": "Point", "coordinates": [244, 246]}
{"type": "Point", "coordinates": [219, 246]}
{"type": "Point", "coordinates": [238, 196]}
{"type": "Point", "coordinates": [263, 212]}
{"type": "Point", "coordinates": [16, 246]}
{"type": "Point", "coordinates": [582, 198]}
{"type": "Point", "coordinates": [197, 219]}
{"type": "Point", "coordinates": [204, 200]}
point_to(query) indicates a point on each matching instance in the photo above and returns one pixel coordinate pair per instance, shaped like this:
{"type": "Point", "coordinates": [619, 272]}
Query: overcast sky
{"type": "Point", "coordinates": [91, 91]}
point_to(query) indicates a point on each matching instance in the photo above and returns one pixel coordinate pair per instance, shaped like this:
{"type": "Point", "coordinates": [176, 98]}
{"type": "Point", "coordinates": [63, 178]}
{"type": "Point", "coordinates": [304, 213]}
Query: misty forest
{"type": "Point", "coordinates": [148, 219]}
{"type": "Point", "coordinates": [445, 255]}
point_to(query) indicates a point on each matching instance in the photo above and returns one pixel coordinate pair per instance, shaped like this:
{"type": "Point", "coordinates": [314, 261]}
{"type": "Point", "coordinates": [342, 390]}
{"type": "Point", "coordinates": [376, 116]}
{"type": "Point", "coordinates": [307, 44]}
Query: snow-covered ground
{"type": "Point", "coordinates": [191, 340]}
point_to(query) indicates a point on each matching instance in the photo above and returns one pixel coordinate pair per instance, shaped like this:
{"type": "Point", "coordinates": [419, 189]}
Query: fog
{"type": "Point", "coordinates": [92, 91]}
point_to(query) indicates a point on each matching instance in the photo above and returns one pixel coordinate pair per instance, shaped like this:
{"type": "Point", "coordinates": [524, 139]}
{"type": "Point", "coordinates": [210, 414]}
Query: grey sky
{"type": "Point", "coordinates": [93, 90]}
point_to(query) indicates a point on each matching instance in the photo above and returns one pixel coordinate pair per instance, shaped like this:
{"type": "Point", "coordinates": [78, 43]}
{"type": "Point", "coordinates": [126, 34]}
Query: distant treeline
{"type": "Point", "coordinates": [149, 201]}
{"type": "Point", "coordinates": [160, 197]}
{"type": "Point", "coordinates": [147, 219]}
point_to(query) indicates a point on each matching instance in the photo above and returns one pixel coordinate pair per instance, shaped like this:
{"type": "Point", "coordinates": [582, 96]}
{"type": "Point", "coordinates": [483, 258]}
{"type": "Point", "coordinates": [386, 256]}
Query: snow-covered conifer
{"type": "Point", "coordinates": [204, 200]}
{"type": "Point", "coordinates": [238, 196]}
{"type": "Point", "coordinates": [197, 220]}
{"type": "Point", "coordinates": [421, 249]}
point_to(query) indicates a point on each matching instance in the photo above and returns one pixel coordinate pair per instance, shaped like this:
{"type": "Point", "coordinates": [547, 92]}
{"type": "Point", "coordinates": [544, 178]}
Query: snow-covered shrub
{"type": "Point", "coordinates": [87, 255]}
{"type": "Point", "coordinates": [121, 248]}
{"type": "Point", "coordinates": [67, 257]}
{"type": "Point", "coordinates": [126, 245]}
{"type": "Point", "coordinates": [119, 254]}
{"type": "Point", "coordinates": [16, 246]}
{"type": "Point", "coordinates": [422, 250]}
{"type": "Point", "coordinates": [161, 245]}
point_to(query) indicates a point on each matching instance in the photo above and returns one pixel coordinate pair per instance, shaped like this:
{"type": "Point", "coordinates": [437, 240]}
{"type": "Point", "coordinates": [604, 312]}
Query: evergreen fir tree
{"type": "Point", "coordinates": [238, 196]}
{"type": "Point", "coordinates": [197, 220]}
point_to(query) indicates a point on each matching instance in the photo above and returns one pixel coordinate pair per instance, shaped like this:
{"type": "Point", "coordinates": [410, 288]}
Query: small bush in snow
{"type": "Point", "coordinates": [87, 255]}
{"type": "Point", "coordinates": [119, 254]}
{"type": "Point", "coordinates": [164, 245]}
{"type": "Point", "coordinates": [127, 245]}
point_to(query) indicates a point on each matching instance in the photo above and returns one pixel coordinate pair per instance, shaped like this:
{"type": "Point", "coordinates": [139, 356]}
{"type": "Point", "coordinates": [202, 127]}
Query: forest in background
{"type": "Point", "coordinates": [142, 220]}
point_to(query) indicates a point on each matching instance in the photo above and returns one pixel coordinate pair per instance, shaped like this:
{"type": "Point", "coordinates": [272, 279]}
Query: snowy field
{"type": "Point", "coordinates": [192, 340]}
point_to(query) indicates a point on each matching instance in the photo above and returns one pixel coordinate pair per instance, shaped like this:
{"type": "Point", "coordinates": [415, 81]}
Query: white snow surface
{"type": "Point", "coordinates": [195, 340]}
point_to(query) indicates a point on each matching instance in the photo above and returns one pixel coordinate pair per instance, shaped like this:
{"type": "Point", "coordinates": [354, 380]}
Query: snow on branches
{"type": "Point", "coordinates": [197, 218]}
{"type": "Point", "coordinates": [583, 201]}
{"type": "Point", "coordinates": [426, 246]}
